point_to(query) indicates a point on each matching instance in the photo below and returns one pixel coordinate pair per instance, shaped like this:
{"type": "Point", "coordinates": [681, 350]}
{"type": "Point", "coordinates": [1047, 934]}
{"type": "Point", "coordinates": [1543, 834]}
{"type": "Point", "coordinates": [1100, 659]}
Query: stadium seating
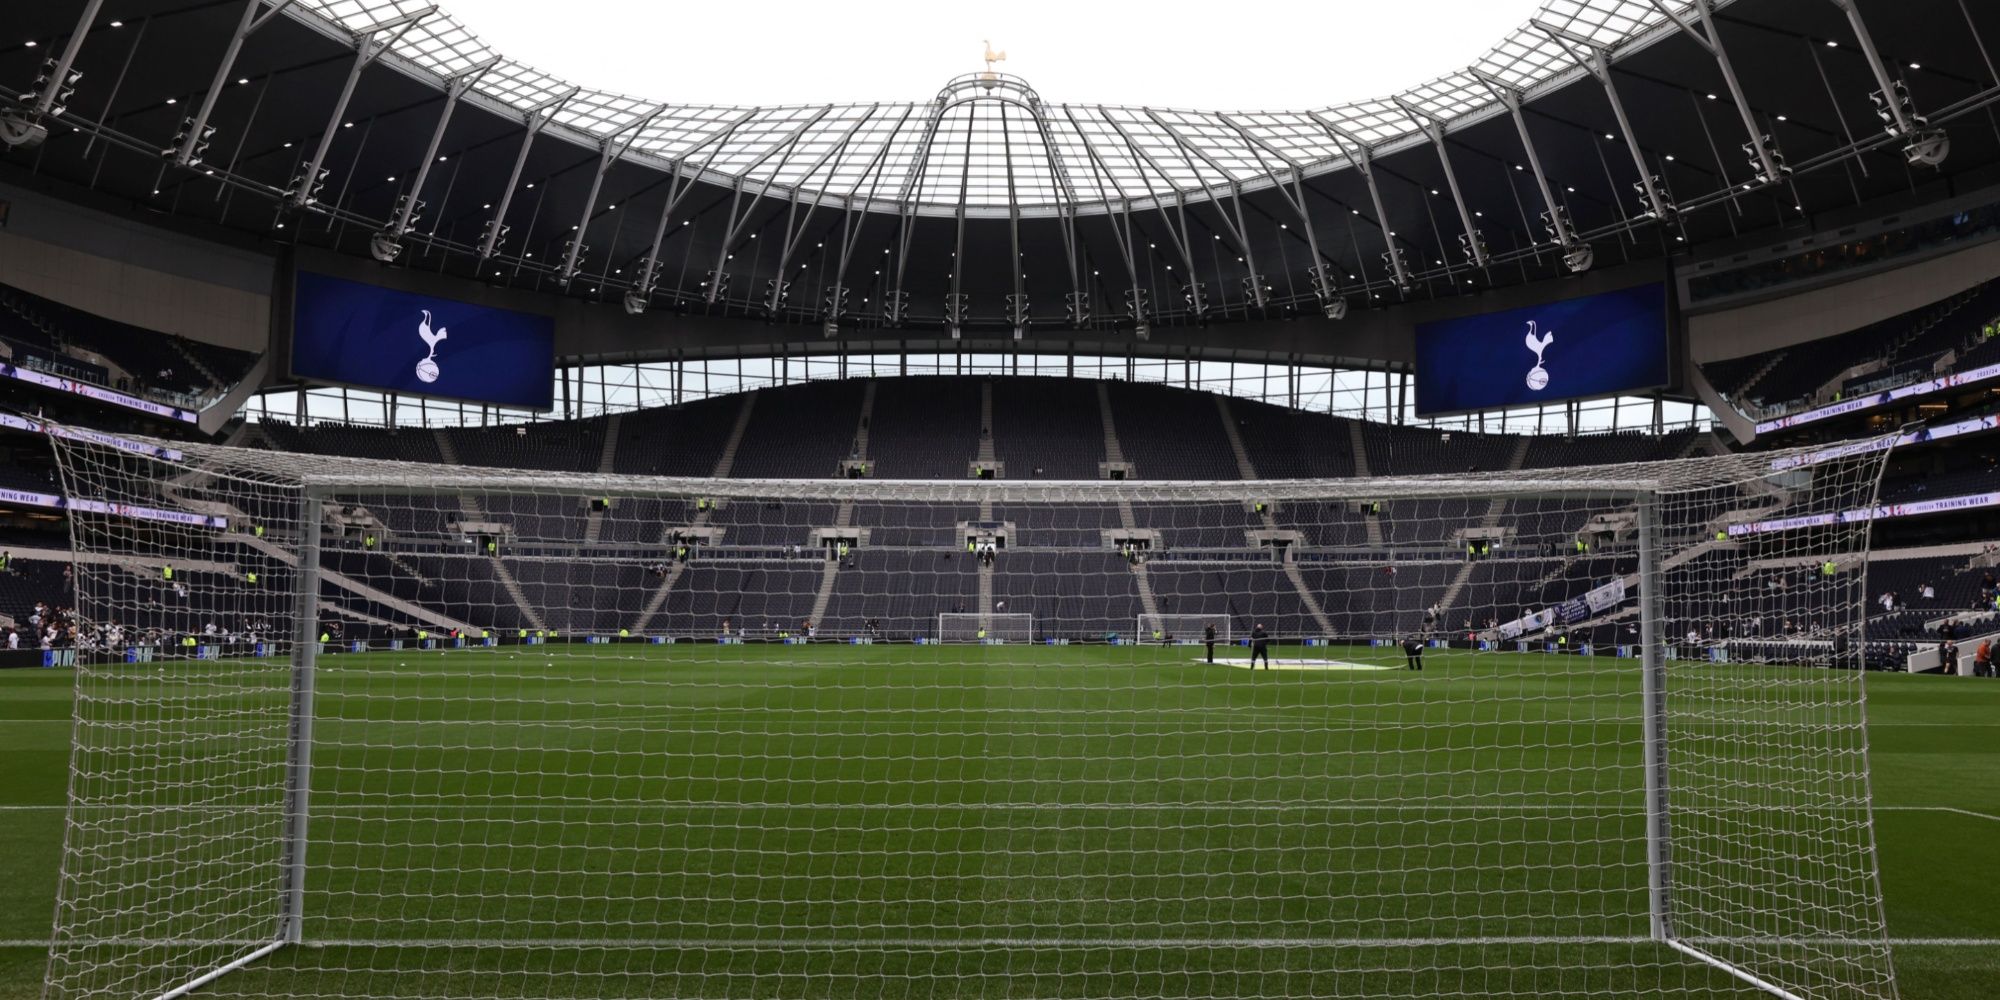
{"type": "Point", "coordinates": [800, 431]}
{"type": "Point", "coordinates": [1170, 433]}
{"type": "Point", "coordinates": [1284, 443]}
{"type": "Point", "coordinates": [924, 427]}
{"type": "Point", "coordinates": [1049, 424]}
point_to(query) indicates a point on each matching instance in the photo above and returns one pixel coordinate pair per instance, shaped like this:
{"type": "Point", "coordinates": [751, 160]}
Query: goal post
{"type": "Point", "coordinates": [1184, 629]}
{"type": "Point", "coordinates": [996, 627]}
{"type": "Point", "coordinates": [410, 718]}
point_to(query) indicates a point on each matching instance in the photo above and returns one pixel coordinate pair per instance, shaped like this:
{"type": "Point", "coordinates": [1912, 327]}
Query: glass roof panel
{"type": "Point", "coordinates": [988, 147]}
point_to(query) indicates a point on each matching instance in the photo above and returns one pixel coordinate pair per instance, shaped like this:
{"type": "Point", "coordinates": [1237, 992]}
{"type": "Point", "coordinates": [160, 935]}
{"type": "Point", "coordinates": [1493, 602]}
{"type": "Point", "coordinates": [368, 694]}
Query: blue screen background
{"type": "Point", "coordinates": [1605, 344]}
{"type": "Point", "coordinates": [366, 335]}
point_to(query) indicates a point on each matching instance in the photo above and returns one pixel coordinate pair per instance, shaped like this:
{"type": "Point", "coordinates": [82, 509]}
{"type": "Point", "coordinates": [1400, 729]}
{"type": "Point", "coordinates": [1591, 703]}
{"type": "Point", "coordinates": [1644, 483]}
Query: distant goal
{"type": "Point", "coordinates": [971, 626]}
{"type": "Point", "coordinates": [1181, 628]}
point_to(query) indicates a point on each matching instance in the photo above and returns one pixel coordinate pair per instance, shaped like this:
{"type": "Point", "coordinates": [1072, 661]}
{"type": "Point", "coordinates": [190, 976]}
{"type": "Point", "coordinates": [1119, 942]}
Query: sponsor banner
{"type": "Point", "coordinates": [94, 437]}
{"type": "Point", "coordinates": [1597, 600]}
{"type": "Point", "coordinates": [33, 499]}
{"type": "Point", "coordinates": [1605, 597]}
{"type": "Point", "coordinates": [1883, 398]}
{"type": "Point", "coordinates": [1539, 620]}
{"type": "Point", "coordinates": [1973, 426]}
{"type": "Point", "coordinates": [97, 393]}
{"type": "Point", "coordinates": [1940, 505]}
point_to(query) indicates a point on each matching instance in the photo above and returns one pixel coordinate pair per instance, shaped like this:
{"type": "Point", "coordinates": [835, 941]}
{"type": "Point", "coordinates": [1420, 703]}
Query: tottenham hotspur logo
{"type": "Point", "coordinates": [427, 368]}
{"type": "Point", "coordinates": [1538, 377]}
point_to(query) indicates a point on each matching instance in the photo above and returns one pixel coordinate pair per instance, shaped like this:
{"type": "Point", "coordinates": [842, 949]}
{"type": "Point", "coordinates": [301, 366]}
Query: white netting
{"type": "Point", "coordinates": [565, 738]}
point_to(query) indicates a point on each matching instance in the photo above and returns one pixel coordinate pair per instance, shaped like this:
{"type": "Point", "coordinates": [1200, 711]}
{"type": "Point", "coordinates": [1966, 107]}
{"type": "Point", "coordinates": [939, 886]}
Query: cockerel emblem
{"type": "Point", "coordinates": [1538, 377]}
{"type": "Point", "coordinates": [427, 369]}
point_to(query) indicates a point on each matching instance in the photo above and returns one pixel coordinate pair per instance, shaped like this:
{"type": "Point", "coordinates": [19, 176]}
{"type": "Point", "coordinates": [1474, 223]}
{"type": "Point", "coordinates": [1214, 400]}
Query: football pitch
{"type": "Point", "coordinates": [1006, 821]}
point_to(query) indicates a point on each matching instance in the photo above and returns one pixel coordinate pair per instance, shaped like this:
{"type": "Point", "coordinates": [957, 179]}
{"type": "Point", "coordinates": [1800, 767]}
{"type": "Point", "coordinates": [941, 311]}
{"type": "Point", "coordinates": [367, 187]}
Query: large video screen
{"type": "Point", "coordinates": [1597, 345]}
{"type": "Point", "coordinates": [359, 334]}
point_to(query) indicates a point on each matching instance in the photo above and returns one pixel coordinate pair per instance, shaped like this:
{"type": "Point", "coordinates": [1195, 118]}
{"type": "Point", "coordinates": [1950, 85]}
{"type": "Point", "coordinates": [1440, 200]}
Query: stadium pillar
{"type": "Point", "coordinates": [610, 151]}
{"type": "Point", "coordinates": [1362, 159]}
{"type": "Point", "coordinates": [1652, 686]}
{"type": "Point", "coordinates": [185, 155]}
{"type": "Point", "coordinates": [1558, 218]}
{"type": "Point", "coordinates": [298, 765]}
{"type": "Point", "coordinates": [537, 117]}
{"type": "Point", "coordinates": [455, 90]}
{"type": "Point", "coordinates": [1596, 60]}
{"type": "Point", "coordinates": [1474, 243]}
{"type": "Point", "coordinates": [1763, 149]}
{"type": "Point", "coordinates": [366, 51]}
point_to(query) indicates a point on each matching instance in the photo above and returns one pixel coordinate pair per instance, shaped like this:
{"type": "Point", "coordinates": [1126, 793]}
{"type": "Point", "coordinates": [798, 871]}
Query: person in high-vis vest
{"type": "Point", "coordinates": [167, 572]}
{"type": "Point", "coordinates": [250, 578]}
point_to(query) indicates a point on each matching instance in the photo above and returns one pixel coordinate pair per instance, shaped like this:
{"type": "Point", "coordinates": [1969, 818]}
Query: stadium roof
{"type": "Point", "coordinates": [1646, 129]}
{"type": "Point", "coordinates": [988, 140]}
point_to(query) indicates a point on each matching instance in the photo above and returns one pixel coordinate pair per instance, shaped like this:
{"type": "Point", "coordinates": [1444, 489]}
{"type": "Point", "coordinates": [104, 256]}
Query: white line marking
{"type": "Point", "coordinates": [1599, 808]}
{"type": "Point", "coordinates": [1949, 809]}
{"type": "Point", "coordinates": [952, 944]}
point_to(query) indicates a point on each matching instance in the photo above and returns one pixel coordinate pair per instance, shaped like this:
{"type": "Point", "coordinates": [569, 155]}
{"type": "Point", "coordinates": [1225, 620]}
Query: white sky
{"type": "Point", "coordinates": [1221, 55]}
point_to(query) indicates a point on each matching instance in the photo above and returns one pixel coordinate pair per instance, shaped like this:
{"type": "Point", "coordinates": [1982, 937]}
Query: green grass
{"type": "Point", "coordinates": [955, 821]}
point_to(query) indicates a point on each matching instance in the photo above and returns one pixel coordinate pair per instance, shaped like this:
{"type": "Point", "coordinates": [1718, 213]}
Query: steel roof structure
{"type": "Point", "coordinates": [1601, 132]}
{"type": "Point", "coordinates": [988, 140]}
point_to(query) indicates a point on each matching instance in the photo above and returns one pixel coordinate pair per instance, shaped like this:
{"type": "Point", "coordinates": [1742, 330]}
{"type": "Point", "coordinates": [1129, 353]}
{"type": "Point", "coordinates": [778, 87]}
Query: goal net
{"type": "Point", "coordinates": [1181, 629]}
{"type": "Point", "coordinates": [994, 627]}
{"type": "Point", "coordinates": [394, 729]}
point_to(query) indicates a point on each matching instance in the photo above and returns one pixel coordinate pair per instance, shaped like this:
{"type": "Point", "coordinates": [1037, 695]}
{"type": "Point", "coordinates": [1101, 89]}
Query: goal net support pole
{"type": "Point", "coordinates": [299, 730]}
{"type": "Point", "coordinates": [1654, 732]}
{"type": "Point", "coordinates": [1653, 715]}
